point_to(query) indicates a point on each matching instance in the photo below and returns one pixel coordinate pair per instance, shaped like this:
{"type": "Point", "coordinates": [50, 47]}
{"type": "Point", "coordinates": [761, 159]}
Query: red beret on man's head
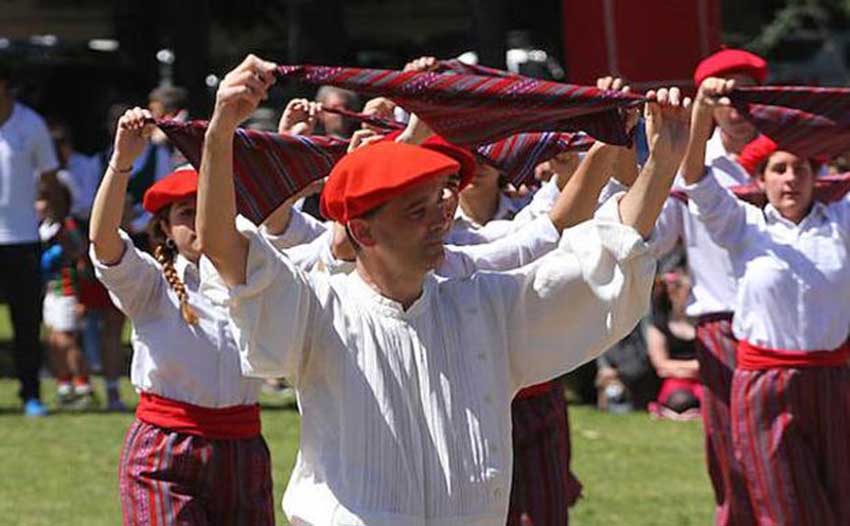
{"type": "Point", "coordinates": [731, 61]}
{"type": "Point", "coordinates": [468, 166]}
{"type": "Point", "coordinates": [173, 187]}
{"type": "Point", "coordinates": [756, 152]}
{"type": "Point", "coordinates": [372, 175]}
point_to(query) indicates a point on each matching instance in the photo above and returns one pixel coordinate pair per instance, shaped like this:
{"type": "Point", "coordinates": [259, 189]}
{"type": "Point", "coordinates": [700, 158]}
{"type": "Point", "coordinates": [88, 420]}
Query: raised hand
{"type": "Point", "coordinates": [631, 114]}
{"type": "Point", "coordinates": [421, 64]}
{"type": "Point", "coordinates": [132, 135]}
{"type": "Point", "coordinates": [241, 91]}
{"type": "Point", "coordinates": [362, 138]}
{"type": "Point", "coordinates": [299, 117]}
{"type": "Point", "coordinates": [378, 107]}
{"type": "Point", "coordinates": [667, 117]}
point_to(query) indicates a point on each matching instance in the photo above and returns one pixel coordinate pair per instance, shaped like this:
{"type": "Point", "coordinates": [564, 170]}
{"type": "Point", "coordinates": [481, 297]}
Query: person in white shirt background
{"type": "Point", "coordinates": [713, 284]}
{"type": "Point", "coordinates": [790, 402]}
{"type": "Point", "coordinates": [26, 153]}
{"type": "Point", "coordinates": [405, 380]}
{"type": "Point", "coordinates": [195, 449]}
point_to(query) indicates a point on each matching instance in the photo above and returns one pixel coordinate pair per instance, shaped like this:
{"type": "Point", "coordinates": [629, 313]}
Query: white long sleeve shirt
{"type": "Point", "coordinates": [196, 364]}
{"type": "Point", "coordinates": [528, 243]}
{"type": "Point", "coordinates": [713, 286]}
{"type": "Point", "coordinates": [406, 413]}
{"type": "Point", "coordinates": [793, 279]}
{"type": "Point", "coordinates": [508, 218]}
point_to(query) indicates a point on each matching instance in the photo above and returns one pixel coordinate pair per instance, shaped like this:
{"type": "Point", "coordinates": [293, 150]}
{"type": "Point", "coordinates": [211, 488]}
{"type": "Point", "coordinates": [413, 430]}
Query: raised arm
{"type": "Point", "coordinates": [579, 197]}
{"type": "Point", "coordinates": [667, 134]}
{"type": "Point", "coordinates": [238, 96]}
{"type": "Point", "coordinates": [108, 208]}
{"type": "Point", "coordinates": [712, 92]}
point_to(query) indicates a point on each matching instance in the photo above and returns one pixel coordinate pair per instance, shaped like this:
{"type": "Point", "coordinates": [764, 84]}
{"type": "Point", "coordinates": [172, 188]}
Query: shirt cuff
{"type": "Point", "coordinates": [124, 269]}
{"type": "Point", "coordinates": [705, 192]}
{"type": "Point", "coordinates": [264, 263]}
{"type": "Point", "coordinates": [609, 210]}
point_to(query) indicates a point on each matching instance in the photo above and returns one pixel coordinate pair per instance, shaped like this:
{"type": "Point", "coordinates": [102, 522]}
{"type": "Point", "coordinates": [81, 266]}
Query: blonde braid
{"type": "Point", "coordinates": [165, 257]}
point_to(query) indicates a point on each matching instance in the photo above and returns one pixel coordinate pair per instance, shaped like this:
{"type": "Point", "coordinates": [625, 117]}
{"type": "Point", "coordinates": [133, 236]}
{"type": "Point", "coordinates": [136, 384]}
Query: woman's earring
{"type": "Point", "coordinates": [170, 244]}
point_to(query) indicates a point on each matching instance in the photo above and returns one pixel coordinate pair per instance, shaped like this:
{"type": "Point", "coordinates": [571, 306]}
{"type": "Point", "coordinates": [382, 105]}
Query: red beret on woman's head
{"type": "Point", "coordinates": [372, 175]}
{"type": "Point", "coordinates": [756, 152]}
{"type": "Point", "coordinates": [173, 187]}
{"type": "Point", "coordinates": [729, 62]}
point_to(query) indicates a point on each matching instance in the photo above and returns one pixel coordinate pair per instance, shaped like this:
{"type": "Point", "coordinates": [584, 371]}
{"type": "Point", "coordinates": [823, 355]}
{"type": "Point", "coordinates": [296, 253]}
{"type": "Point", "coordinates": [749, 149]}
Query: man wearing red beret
{"type": "Point", "coordinates": [714, 287]}
{"type": "Point", "coordinates": [405, 379]}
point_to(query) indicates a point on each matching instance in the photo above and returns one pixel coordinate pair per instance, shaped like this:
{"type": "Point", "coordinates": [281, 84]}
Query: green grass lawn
{"type": "Point", "coordinates": [636, 472]}
{"type": "Point", "coordinates": [63, 469]}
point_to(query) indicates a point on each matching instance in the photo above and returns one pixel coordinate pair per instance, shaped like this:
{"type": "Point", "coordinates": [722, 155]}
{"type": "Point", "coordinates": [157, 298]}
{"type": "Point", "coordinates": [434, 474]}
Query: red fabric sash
{"type": "Point", "coordinates": [226, 423]}
{"type": "Point", "coordinates": [754, 358]}
{"type": "Point", "coordinates": [534, 390]}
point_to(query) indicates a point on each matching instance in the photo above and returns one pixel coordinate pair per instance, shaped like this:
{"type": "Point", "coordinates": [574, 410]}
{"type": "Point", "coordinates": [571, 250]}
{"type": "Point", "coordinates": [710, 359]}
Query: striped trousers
{"type": "Point", "coordinates": [169, 478]}
{"type": "Point", "coordinates": [792, 431]}
{"type": "Point", "coordinates": [543, 486]}
{"type": "Point", "coordinates": [716, 348]}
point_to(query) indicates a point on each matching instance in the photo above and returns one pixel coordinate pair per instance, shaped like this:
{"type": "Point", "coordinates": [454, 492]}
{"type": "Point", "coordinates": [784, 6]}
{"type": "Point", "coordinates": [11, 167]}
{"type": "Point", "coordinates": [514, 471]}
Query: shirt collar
{"type": "Point", "coordinates": [187, 272]}
{"type": "Point", "coordinates": [506, 210]}
{"type": "Point", "coordinates": [389, 306]}
{"type": "Point", "coordinates": [816, 215]}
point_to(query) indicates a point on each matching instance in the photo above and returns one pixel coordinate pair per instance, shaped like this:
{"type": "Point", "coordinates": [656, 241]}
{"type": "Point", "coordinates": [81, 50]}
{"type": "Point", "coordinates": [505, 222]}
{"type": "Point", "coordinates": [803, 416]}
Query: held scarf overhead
{"type": "Point", "coordinates": [472, 110]}
{"type": "Point", "coordinates": [804, 120]}
{"type": "Point", "coordinates": [269, 168]}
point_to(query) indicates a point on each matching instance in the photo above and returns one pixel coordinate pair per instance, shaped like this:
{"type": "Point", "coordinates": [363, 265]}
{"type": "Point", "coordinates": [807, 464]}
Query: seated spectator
{"type": "Point", "coordinates": [670, 341]}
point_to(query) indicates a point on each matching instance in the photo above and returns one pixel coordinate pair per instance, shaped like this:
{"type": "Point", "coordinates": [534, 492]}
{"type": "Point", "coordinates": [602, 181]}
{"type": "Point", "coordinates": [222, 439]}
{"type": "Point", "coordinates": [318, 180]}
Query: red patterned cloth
{"type": "Point", "coordinates": [167, 477]}
{"type": "Point", "coordinates": [268, 167]}
{"type": "Point", "coordinates": [517, 155]}
{"type": "Point", "coordinates": [472, 110]}
{"type": "Point", "coordinates": [807, 121]}
{"type": "Point", "coordinates": [828, 189]}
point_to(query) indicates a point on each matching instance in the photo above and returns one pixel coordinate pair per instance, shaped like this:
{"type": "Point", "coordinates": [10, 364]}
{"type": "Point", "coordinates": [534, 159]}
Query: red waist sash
{"type": "Point", "coordinates": [225, 423]}
{"type": "Point", "coordinates": [534, 390]}
{"type": "Point", "coordinates": [754, 358]}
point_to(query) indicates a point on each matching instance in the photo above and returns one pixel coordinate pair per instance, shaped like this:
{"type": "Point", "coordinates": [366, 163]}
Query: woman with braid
{"type": "Point", "coordinates": [194, 455]}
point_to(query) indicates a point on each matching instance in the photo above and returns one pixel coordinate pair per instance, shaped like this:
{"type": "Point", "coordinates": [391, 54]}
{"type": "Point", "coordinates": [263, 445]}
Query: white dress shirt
{"type": "Point", "coordinates": [713, 286]}
{"type": "Point", "coordinates": [406, 413]}
{"type": "Point", "coordinates": [196, 364]}
{"type": "Point", "coordinates": [793, 279]}
{"type": "Point", "coordinates": [26, 151]}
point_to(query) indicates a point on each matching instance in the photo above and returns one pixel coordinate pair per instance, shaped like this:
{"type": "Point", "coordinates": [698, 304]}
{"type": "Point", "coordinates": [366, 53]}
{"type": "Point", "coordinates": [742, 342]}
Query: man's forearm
{"type": "Point", "coordinates": [642, 204]}
{"type": "Point", "coordinates": [578, 199]}
{"type": "Point", "coordinates": [693, 165]}
{"type": "Point", "coordinates": [216, 209]}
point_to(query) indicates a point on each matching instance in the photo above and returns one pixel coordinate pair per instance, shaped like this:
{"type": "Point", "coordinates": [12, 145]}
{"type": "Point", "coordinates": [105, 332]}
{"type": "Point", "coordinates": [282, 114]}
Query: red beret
{"type": "Point", "coordinates": [730, 61]}
{"type": "Point", "coordinates": [173, 187]}
{"type": "Point", "coordinates": [756, 152]}
{"type": "Point", "coordinates": [464, 157]}
{"type": "Point", "coordinates": [370, 176]}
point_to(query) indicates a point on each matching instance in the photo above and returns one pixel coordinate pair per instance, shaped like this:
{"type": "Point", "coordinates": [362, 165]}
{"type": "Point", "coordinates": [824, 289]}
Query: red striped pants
{"type": "Point", "coordinates": [716, 348]}
{"type": "Point", "coordinates": [168, 478]}
{"type": "Point", "coordinates": [792, 433]}
{"type": "Point", "coordinates": [543, 486]}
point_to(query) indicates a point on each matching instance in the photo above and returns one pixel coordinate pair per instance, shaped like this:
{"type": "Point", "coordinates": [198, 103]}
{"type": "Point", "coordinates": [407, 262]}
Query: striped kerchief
{"type": "Point", "coordinates": [808, 121]}
{"type": "Point", "coordinates": [828, 189]}
{"type": "Point", "coordinates": [268, 167]}
{"type": "Point", "coordinates": [518, 155]}
{"type": "Point", "coordinates": [473, 110]}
